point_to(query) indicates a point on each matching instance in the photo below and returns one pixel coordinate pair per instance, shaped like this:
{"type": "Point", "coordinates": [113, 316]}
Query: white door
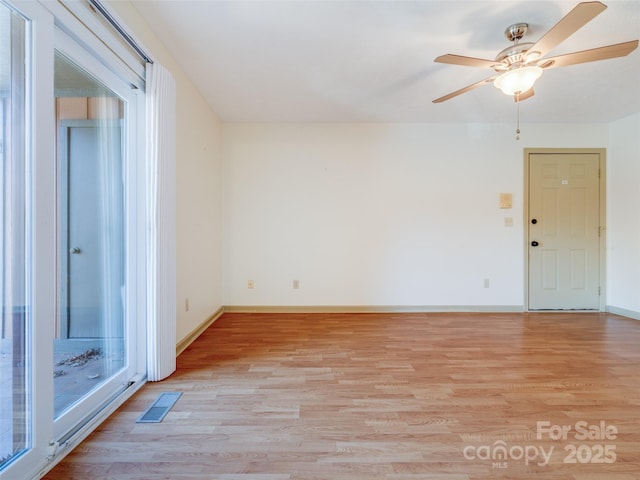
{"type": "Point", "coordinates": [91, 229]}
{"type": "Point", "coordinates": [564, 231]}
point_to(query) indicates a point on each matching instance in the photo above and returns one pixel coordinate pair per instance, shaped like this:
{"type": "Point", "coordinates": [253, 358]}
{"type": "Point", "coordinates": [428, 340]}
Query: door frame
{"type": "Point", "coordinates": [601, 152]}
{"type": "Point", "coordinates": [73, 419]}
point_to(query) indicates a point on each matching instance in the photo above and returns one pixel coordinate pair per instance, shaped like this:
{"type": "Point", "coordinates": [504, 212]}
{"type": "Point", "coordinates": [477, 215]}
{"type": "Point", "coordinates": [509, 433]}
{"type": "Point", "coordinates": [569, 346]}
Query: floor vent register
{"type": "Point", "coordinates": [159, 409]}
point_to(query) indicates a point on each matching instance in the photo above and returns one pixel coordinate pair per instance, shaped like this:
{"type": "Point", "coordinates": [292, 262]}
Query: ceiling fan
{"type": "Point", "coordinates": [518, 66]}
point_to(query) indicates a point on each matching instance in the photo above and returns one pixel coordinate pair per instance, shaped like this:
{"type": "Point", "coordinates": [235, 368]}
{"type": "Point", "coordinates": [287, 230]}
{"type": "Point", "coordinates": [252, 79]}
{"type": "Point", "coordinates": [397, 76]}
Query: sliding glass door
{"type": "Point", "coordinates": [90, 351]}
{"type": "Point", "coordinates": [71, 240]}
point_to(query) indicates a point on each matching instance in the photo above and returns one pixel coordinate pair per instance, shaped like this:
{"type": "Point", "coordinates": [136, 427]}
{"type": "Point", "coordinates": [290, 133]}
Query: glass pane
{"type": "Point", "coordinates": [89, 348]}
{"type": "Point", "coordinates": [14, 240]}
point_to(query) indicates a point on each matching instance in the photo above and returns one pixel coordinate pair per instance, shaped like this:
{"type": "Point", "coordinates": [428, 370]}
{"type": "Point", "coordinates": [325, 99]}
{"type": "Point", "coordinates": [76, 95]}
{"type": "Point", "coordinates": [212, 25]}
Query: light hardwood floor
{"type": "Point", "coordinates": [385, 396]}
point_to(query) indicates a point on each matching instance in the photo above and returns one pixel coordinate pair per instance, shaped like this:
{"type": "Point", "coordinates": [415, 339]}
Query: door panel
{"type": "Point", "coordinates": [564, 220]}
{"type": "Point", "coordinates": [549, 269]}
{"type": "Point", "coordinates": [90, 355]}
{"type": "Point", "coordinates": [89, 231]}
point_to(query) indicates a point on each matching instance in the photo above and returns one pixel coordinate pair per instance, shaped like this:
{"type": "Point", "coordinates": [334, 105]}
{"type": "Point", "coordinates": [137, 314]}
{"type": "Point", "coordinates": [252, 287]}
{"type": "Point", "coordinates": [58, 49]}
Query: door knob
{"type": "Point", "coordinates": [534, 244]}
{"type": "Point", "coordinates": [75, 250]}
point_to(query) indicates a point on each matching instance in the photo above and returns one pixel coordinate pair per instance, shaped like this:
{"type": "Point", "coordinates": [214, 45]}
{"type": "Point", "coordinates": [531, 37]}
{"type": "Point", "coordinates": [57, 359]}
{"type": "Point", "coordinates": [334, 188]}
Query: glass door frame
{"type": "Point", "coordinates": [65, 424]}
{"type": "Point", "coordinates": [40, 220]}
{"type": "Point", "coordinates": [48, 23]}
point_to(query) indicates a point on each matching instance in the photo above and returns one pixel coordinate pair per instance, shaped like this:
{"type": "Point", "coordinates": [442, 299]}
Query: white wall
{"type": "Point", "coordinates": [368, 214]}
{"type": "Point", "coordinates": [379, 214]}
{"type": "Point", "coordinates": [198, 177]}
{"type": "Point", "coordinates": [623, 215]}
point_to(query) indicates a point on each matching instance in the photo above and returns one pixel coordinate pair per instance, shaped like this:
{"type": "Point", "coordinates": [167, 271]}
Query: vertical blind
{"type": "Point", "coordinates": [161, 226]}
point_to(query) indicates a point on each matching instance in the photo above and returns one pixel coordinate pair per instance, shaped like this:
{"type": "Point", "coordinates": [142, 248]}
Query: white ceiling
{"type": "Point", "coordinates": [372, 61]}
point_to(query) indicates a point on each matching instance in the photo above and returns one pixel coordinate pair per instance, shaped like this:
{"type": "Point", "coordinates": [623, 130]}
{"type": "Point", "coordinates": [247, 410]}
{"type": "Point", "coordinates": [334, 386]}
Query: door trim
{"type": "Point", "coordinates": [601, 152]}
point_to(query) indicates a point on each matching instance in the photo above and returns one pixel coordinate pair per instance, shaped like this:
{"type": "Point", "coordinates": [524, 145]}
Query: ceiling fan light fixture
{"type": "Point", "coordinates": [518, 80]}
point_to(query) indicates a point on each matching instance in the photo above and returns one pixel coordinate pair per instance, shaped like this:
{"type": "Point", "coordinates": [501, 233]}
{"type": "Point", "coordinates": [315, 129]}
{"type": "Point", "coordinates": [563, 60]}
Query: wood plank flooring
{"type": "Point", "coordinates": [386, 396]}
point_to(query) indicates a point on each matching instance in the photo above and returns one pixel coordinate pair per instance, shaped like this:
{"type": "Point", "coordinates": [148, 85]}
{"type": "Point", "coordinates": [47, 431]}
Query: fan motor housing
{"type": "Point", "coordinates": [514, 53]}
{"type": "Point", "coordinates": [518, 53]}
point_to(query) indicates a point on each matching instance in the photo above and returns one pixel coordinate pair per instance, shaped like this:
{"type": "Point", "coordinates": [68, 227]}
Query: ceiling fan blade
{"type": "Point", "coordinates": [465, 61]}
{"type": "Point", "coordinates": [593, 55]}
{"type": "Point", "coordinates": [581, 14]}
{"type": "Point", "coordinates": [465, 89]}
{"type": "Point", "coordinates": [524, 95]}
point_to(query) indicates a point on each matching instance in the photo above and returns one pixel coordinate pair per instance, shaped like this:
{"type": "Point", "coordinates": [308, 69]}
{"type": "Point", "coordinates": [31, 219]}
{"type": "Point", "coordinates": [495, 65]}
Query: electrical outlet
{"type": "Point", "coordinates": [296, 284]}
{"type": "Point", "coordinates": [250, 284]}
{"type": "Point", "coordinates": [508, 221]}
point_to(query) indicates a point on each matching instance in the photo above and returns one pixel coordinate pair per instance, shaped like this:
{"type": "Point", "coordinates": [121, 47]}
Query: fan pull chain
{"type": "Point", "coordinates": [517, 115]}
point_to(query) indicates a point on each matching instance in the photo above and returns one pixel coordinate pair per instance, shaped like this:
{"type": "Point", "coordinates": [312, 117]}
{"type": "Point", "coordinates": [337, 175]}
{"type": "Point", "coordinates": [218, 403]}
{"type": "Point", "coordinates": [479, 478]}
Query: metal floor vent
{"type": "Point", "coordinates": [159, 409]}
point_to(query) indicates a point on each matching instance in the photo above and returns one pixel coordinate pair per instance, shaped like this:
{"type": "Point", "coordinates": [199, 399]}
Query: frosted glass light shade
{"type": "Point", "coordinates": [518, 80]}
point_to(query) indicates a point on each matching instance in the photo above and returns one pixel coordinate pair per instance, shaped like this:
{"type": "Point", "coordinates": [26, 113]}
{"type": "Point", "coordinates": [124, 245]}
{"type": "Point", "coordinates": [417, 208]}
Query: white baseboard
{"type": "Point", "coordinates": [371, 308]}
{"type": "Point", "coordinates": [624, 312]}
